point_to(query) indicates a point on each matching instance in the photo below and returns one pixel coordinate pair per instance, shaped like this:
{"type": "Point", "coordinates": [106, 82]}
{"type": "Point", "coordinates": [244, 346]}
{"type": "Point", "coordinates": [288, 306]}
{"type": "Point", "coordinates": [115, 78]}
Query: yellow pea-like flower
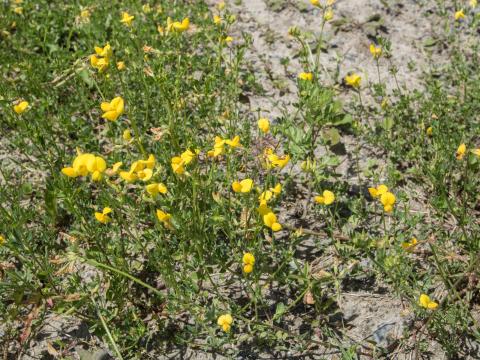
{"type": "Point", "coordinates": [217, 20]}
{"type": "Point", "coordinates": [376, 51]}
{"type": "Point", "coordinates": [165, 218]}
{"type": "Point", "coordinates": [388, 200]}
{"type": "Point", "coordinates": [127, 19]}
{"type": "Point", "coordinates": [225, 322]}
{"type": "Point", "coordinates": [427, 303]}
{"type": "Point", "coordinates": [21, 107]}
{"type": "Point", "coordinates": [305, 76]}
{"type": "Point", "coordinates": [156, 188]}
{"type": "Point", "coordinates": [103, 216]}
{"type": "Point", "coordinates": [178, 165]}
{"type": "Point", "coordinates": [354, 80]}
{"type": "Point", "coordinates": [462, 149]}
{"type": "Point", "coordinates": [235, 142]}
{"type": "Point", "coordinates": [270, 220]}
{"type": "Point", "coordinates": [177, 26]}
{"type": "Point", "coordinates": [121, 65]}
{"type": "Point", "coordinates": [264, 125]}
{"type": "Point", "coordinates": [113, 109]}
{"type": "Point", "coordinates": [327, 198]}
{"type": "Point", "coordinates": [218, 148]}
{"type": "Point", "coordinates": [244, 186]}
{"type": "Point", "coordinates": [99, 63]}
{"type": "Point", "coordinates": [106, 51]}
{"type": "Point", "coordinates": [378, 191]}
{"type": "Point", "coordinates": [2, 240]}
{"type": "Point", "coordinates": [459, 15]}
{"type": "Point", "coordinates": [248, 262]}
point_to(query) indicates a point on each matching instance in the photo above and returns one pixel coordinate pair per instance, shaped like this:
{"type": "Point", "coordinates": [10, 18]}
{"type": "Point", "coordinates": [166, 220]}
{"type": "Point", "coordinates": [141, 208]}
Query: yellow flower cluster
{"type": "Point", "coordinates": [219, 146]}
{"type": "Point", "coordinates": [248, 262]}
{"type": "Point", "coordinates": [113, 109]}
{"type": "Point", "coordinates": [225, 322]}
{"type": "Point", "coordinates": [327, 198]}
{"type": "Point", "coordinates": [101, 59]}
{"type": "Point", "coordinates": [139, 170]}
{"type": "Point", "coordinates": [85, 164]}
{"type": "Point", "coordinates": [178, 162]}
{"type": "Point", "coordinates": [427, 303]}
{"type": "Point", "coordinates": [386, 198]}
{"type": "Point", "coordinates": [275, 161]}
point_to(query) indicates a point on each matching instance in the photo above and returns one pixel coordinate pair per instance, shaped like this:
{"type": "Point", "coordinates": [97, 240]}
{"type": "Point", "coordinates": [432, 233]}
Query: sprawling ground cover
{"type": "Point", "coordinates": [181, 178]}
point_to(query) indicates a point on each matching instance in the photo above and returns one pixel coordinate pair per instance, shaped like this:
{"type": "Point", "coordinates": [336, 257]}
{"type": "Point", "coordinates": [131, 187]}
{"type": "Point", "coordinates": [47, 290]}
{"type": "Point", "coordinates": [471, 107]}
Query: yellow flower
{"type": "Point", "coordinates": [177, 26]}
{"type": "Point", "coordinates": [228, 39]}
{"type": "Point", "coordinates": [270, 220]}
{"type": "Point", "coordinates": [462, 149]}
{"type": "Point", "coordinates": [315, 2]}
{"type": "Point", "coordinates": [84, 164]}
{"type": "Point", "coordinates": [221, 5]}
{"type": "Point", "coordinates": [164, 218]}
{"type": "Point", "coordinates": [264, 125]}
{"type": "Point", "coordinates": [156, 188]}
{"type": "Point", "coordinates": [18, 10]}
{"type": "Point", "coordinates": [140, 170]}
{"type": "Point", "coordinates": [127, 135]}
{"type": "Point", "coordinates": [426, 302]}
{"type": "Point", "coordinates": [106, 51]}
{"type": "Point", "coordinates": [473, 3]}
{"type": "Point", "coordinates": [103, 216]}
{"type": "Point", "coordinates": [127, 18]}
{"type": "Point", "coordinates": [274, 161]}
{"type": "Point", "coordinates": [248, 262]}
{"type": "Point", "coordinates": [218, 148]}
{"type": "Point", "coordinates": [376, 51]}
{"type": "Point", "coordinates": [217, 20]}
{"type": "Point", "coordinates": [268, 194]}
{"type": "Point", "coordinates": [150, 162]}
{"type": "Point", "coordinates": [378, 191]}
{"type": "Point", "coordinates": [101, 64]}
{"type": "Point", "coordinates": [21, 107]}
{"type": "Point", "coordinates": [353, 80]}
{"type": "Point", "coordinates": [225, 322]}
{"type": "Point", "coordinates": [459, 15]}
{"type": "Point", "coordinates": [429, 131]}
{"type": "Point", "coordinates": [388, 200]}
{"type": "Point", "coordinates": [327, 198]}
{"type": "Point", "coordinates": [187, 156]}
{"type": "Point", "coordinates": [96, 166]}
{"type": "Point", "coordinates": [178, 165]}
{"type": "Point", "coordinates": [101, 59]}
{"type": "Point", "coordinates": [476, 152]}
{"type": "Point", "coordinates": [121, 65]}
{"type": "Point", "coordinates": [235, 142]}
{"type": "Point", "coordinates": [277, 189]}
{"type": "Point", "coordinates": [244, 186]}
{"type": "Point", "coordinates": [306, 76]}
{"type": "Point", "coordinates": [328, 14]}
{"type": "Point", "coordinates": [2, 240]}
{"type": "Point", "coordinates": [113, 109]}
{"type": "Point", "coordinates": [409, 245]}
